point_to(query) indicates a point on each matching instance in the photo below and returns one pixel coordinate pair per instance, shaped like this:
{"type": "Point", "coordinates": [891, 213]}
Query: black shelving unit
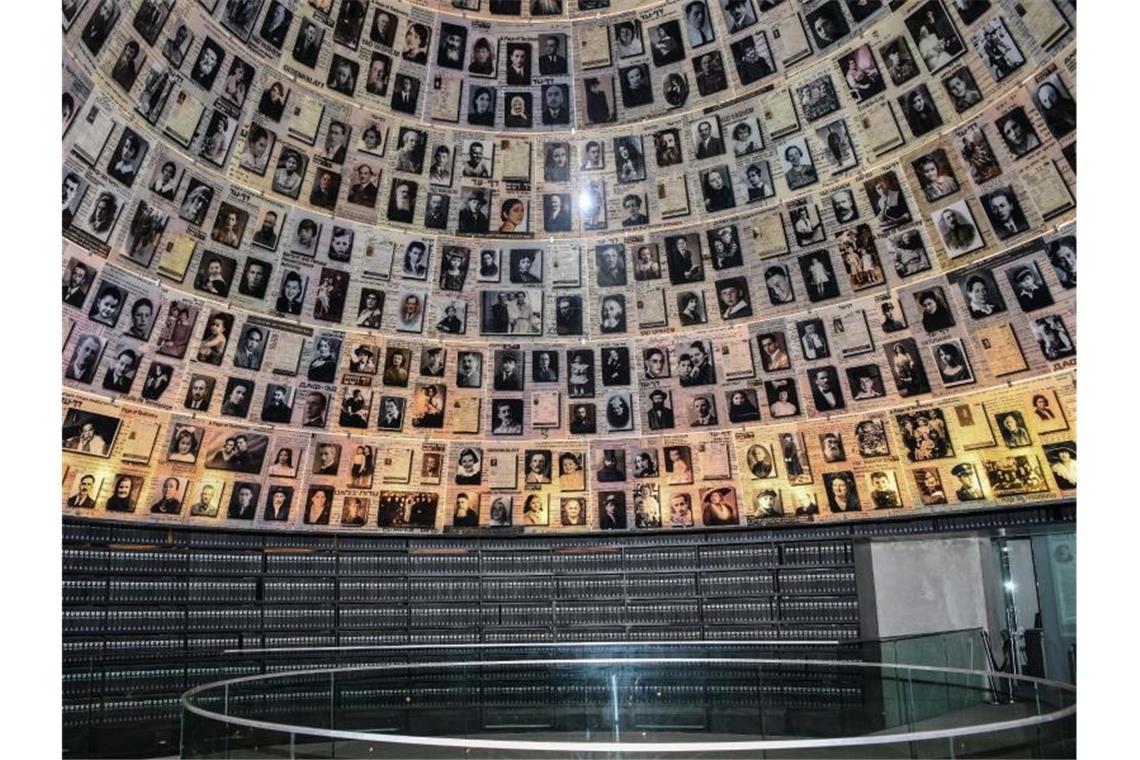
{"type": "Point", "coordinates": [151, 611]}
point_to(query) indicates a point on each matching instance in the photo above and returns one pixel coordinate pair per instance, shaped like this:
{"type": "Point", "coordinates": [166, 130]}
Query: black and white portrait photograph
{"type": "Point", "coordinates": [758, 177]}
{"type": "Point", "coordinates": [1004, 212]}
{"type": "Point", "coordinates": [888, 203]}
{"type": "Point", "coordinates": [843, 206]}
{"type": "Point", "coordinates": [865, 382]}
{"type": "Point", "coordinates": [601, 102]}
{"type": "Point", "coordinates": [477, 158]}
{"type": "Point", "coordinates": [819, 276]}
{"type": "Point", "coordinates": [724, 245]}
{"type": "Point", "coordinates": [899, 61]}
{"type": "Point", "coordinates": [1062, 459]}
{"type": "Point", "coordinates": [706, 139]}
{"type": "Point", "coordinates": [825, 390]}
{"type": "Point", "coordinates": [1013, 431]}
{"type": "Point", "coordinates": [592, 204]}
{"type": "Point", "coordinates": [568, 315]}
{"type": "Point", "coordinates": [935, 175]}
{"type": "Point", "coordinates": [796, 161]}
{"type": "Point", "coordinates": [120, 373]}
{"type": "Point", "coordinates": [636, 86]}
{"type": "Point", "coordinates": [859, 70]}
{"type": "Point", "coordinates": [647, 263]}
{"type": "Point", "coordinates": [215, 273]}
{"type": "Point", "coordinates": [665, 43]}
{"type": "Point", "coordinates": [1063, 257]}
{"type": "Point", "coordinates": [615, 366]}
{"type": "Point", "coordinates": [489, 269]}
{"type": "Point", "coordinates": [918, 109]}
{"type": "Point", "coordinates": [1056, 105]}
{"type": "Point", "coordinates": [609, 263]}
{"type": "Point", "coordinates": [277, 407]}
{"type": "Point", "coordinates": [406, 94]}
{"type": "Point", "coordinates": [733, 298]}
{"type": "Point", "coordinates": [742, 405]}
{"type": "Point", "coordinates": [818, 97]}
{"type": "Point", "coordinates": [108, 304]}
{"type": "Point", "coordinates": [934, 309]}
{"type": "Point", "coordinates": [635, 207]}
{"type": "Point", "coordinates": [612, 313]}
{"type": "Point", "coordinates": [1017, 133]}
{"type": "Point", "coordinates": [511, 312]}
{"type": "Point", "coordinates": [871, 439]}
{"type": "Point", "coordinates": [716, 189]}
{"type": "Point", "coordinates": [963, 89]}
{"type": "Point", "coordinates": [684, 259]}
{"type": "Point", "coordinates": [391, 415]}
{"type": "Point", "coordinates": [629, 159]}
{"type": "Point", "coordinates": [997, 49]}
{"type": "Point", "coordinates": [556, 161]}
{"type": "Point", "coordinates": [968, 488]}
{"type": "Point", "coordinates": [229, 225]}
{"type": "Point", "coordinates": [217, 137]}
{"type": "Point", "coordinates": [452, 50]}
{"type": "Point", "coordinates": [842, 495]}
{"type": "Point", "coordinates": [746, 135]}
{"type": "Point", "coordinates": [957, 228]}
{"type": "Point", "coordinates": [411, 305]}
{"type": "Point", "coordinates": [88, 432]}
{"type": "Point", "coordinates": [695, 366]}
{"type": "Point", "coordinates": [753, 57]}
{"type": "Point", "coordinates": [779, 284]}
{"type": "Point", "coordinates": [128, 157]}
{"type": "Point", "coordinates": [975, 149]}
{"type": "Point", "coordinates": [738, 14]}
{"type": "Point", "coordinates": [827, 24]}
{"type": "Point", "coordinates": [831, 445]}
{"type": "Point", "coordinates": [935, 35]}
{"type": "Point", "coordinates": [506, 416]}
{"type": "Point", "coordinates": [884, 490]}
{"type": "Point", "coordinates": [860, 257]}
{"type": "Point", "coordinates": [982, 295]}
{"type": "Point", "coordinates": [74, 188]}
{"type": "Point", "coordinates": [555, 104]}
{"type": "Point", "coordinates": [153, 96]}
{"type": "Point", "coordinates": [906, 367]}
{"type": "Point", "coordinates": [840, 151]}
{"type": "Point", "coordinates": [557, 212]}
{"type": "Point", "coordinates": [698, 23]}
{"type": "Point", "coordinates": [104, 215]}
{"type": "Point", "coordinates": [1029, 287]}
{"type": "Point", "coordinates": [952, 363]}
{"type": "Point", "coordinates": [469, 369]}
{"type": "Point", "coordinates": [691, 307]}
{"type": "Point", "coordinates": [783, 398]}
{"type": "Point", "coordinates": [924, 435]}
{"type": "Point", "coordinates": [813, 339]}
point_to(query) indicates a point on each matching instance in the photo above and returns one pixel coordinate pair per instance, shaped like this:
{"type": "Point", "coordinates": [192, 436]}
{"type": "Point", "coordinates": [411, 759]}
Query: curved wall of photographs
{"type": "Point", "coordinates": [341, 265]}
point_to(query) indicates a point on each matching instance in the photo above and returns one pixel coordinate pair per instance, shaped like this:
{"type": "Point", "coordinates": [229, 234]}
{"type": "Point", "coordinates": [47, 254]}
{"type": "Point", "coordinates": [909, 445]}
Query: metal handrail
{"type": "Point", "coordinates": [596, 747]}
{"type": "Point", "coordinates": [537, 645]}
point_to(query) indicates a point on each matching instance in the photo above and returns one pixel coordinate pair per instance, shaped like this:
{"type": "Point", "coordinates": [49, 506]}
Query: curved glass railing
{"type": "Point", "coordinates": [630, 708]}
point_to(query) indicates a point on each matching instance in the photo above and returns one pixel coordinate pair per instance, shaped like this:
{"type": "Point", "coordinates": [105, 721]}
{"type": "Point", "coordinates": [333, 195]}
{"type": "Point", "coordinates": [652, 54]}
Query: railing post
{"type": "Point", "coordinates": [226, 712]}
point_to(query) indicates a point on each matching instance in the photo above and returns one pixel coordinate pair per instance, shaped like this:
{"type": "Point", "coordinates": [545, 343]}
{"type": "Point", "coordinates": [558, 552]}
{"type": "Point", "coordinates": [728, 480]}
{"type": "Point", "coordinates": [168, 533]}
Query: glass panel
{"type": "Point", "coordinates": [700, 701]}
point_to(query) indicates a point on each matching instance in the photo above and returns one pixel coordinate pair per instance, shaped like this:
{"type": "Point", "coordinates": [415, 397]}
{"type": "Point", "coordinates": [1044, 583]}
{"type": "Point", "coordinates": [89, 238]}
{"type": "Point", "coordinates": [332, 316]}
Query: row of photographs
{"type": "Point", "coordinates": [726, 247]}
{"type": "Point", "coordinates": [356, 57]}
{"type": "Point", "coordinates": [238, 364]}
{"type": "Point", "coordinates": [920, 458]}
{"type": "Point", "coordinates": [353, 184]}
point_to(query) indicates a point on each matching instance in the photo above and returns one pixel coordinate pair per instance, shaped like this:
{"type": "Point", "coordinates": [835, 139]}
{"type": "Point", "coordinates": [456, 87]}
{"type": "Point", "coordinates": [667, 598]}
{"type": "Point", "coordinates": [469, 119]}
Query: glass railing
{"type": "Point", "coordinates": [637, 707]}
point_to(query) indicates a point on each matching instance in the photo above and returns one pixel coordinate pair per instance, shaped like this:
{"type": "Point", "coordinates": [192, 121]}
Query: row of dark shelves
{"type": "Point", "coordinates": [177, 585]}
{"type": "Point", "coordinates": [91, 588]}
